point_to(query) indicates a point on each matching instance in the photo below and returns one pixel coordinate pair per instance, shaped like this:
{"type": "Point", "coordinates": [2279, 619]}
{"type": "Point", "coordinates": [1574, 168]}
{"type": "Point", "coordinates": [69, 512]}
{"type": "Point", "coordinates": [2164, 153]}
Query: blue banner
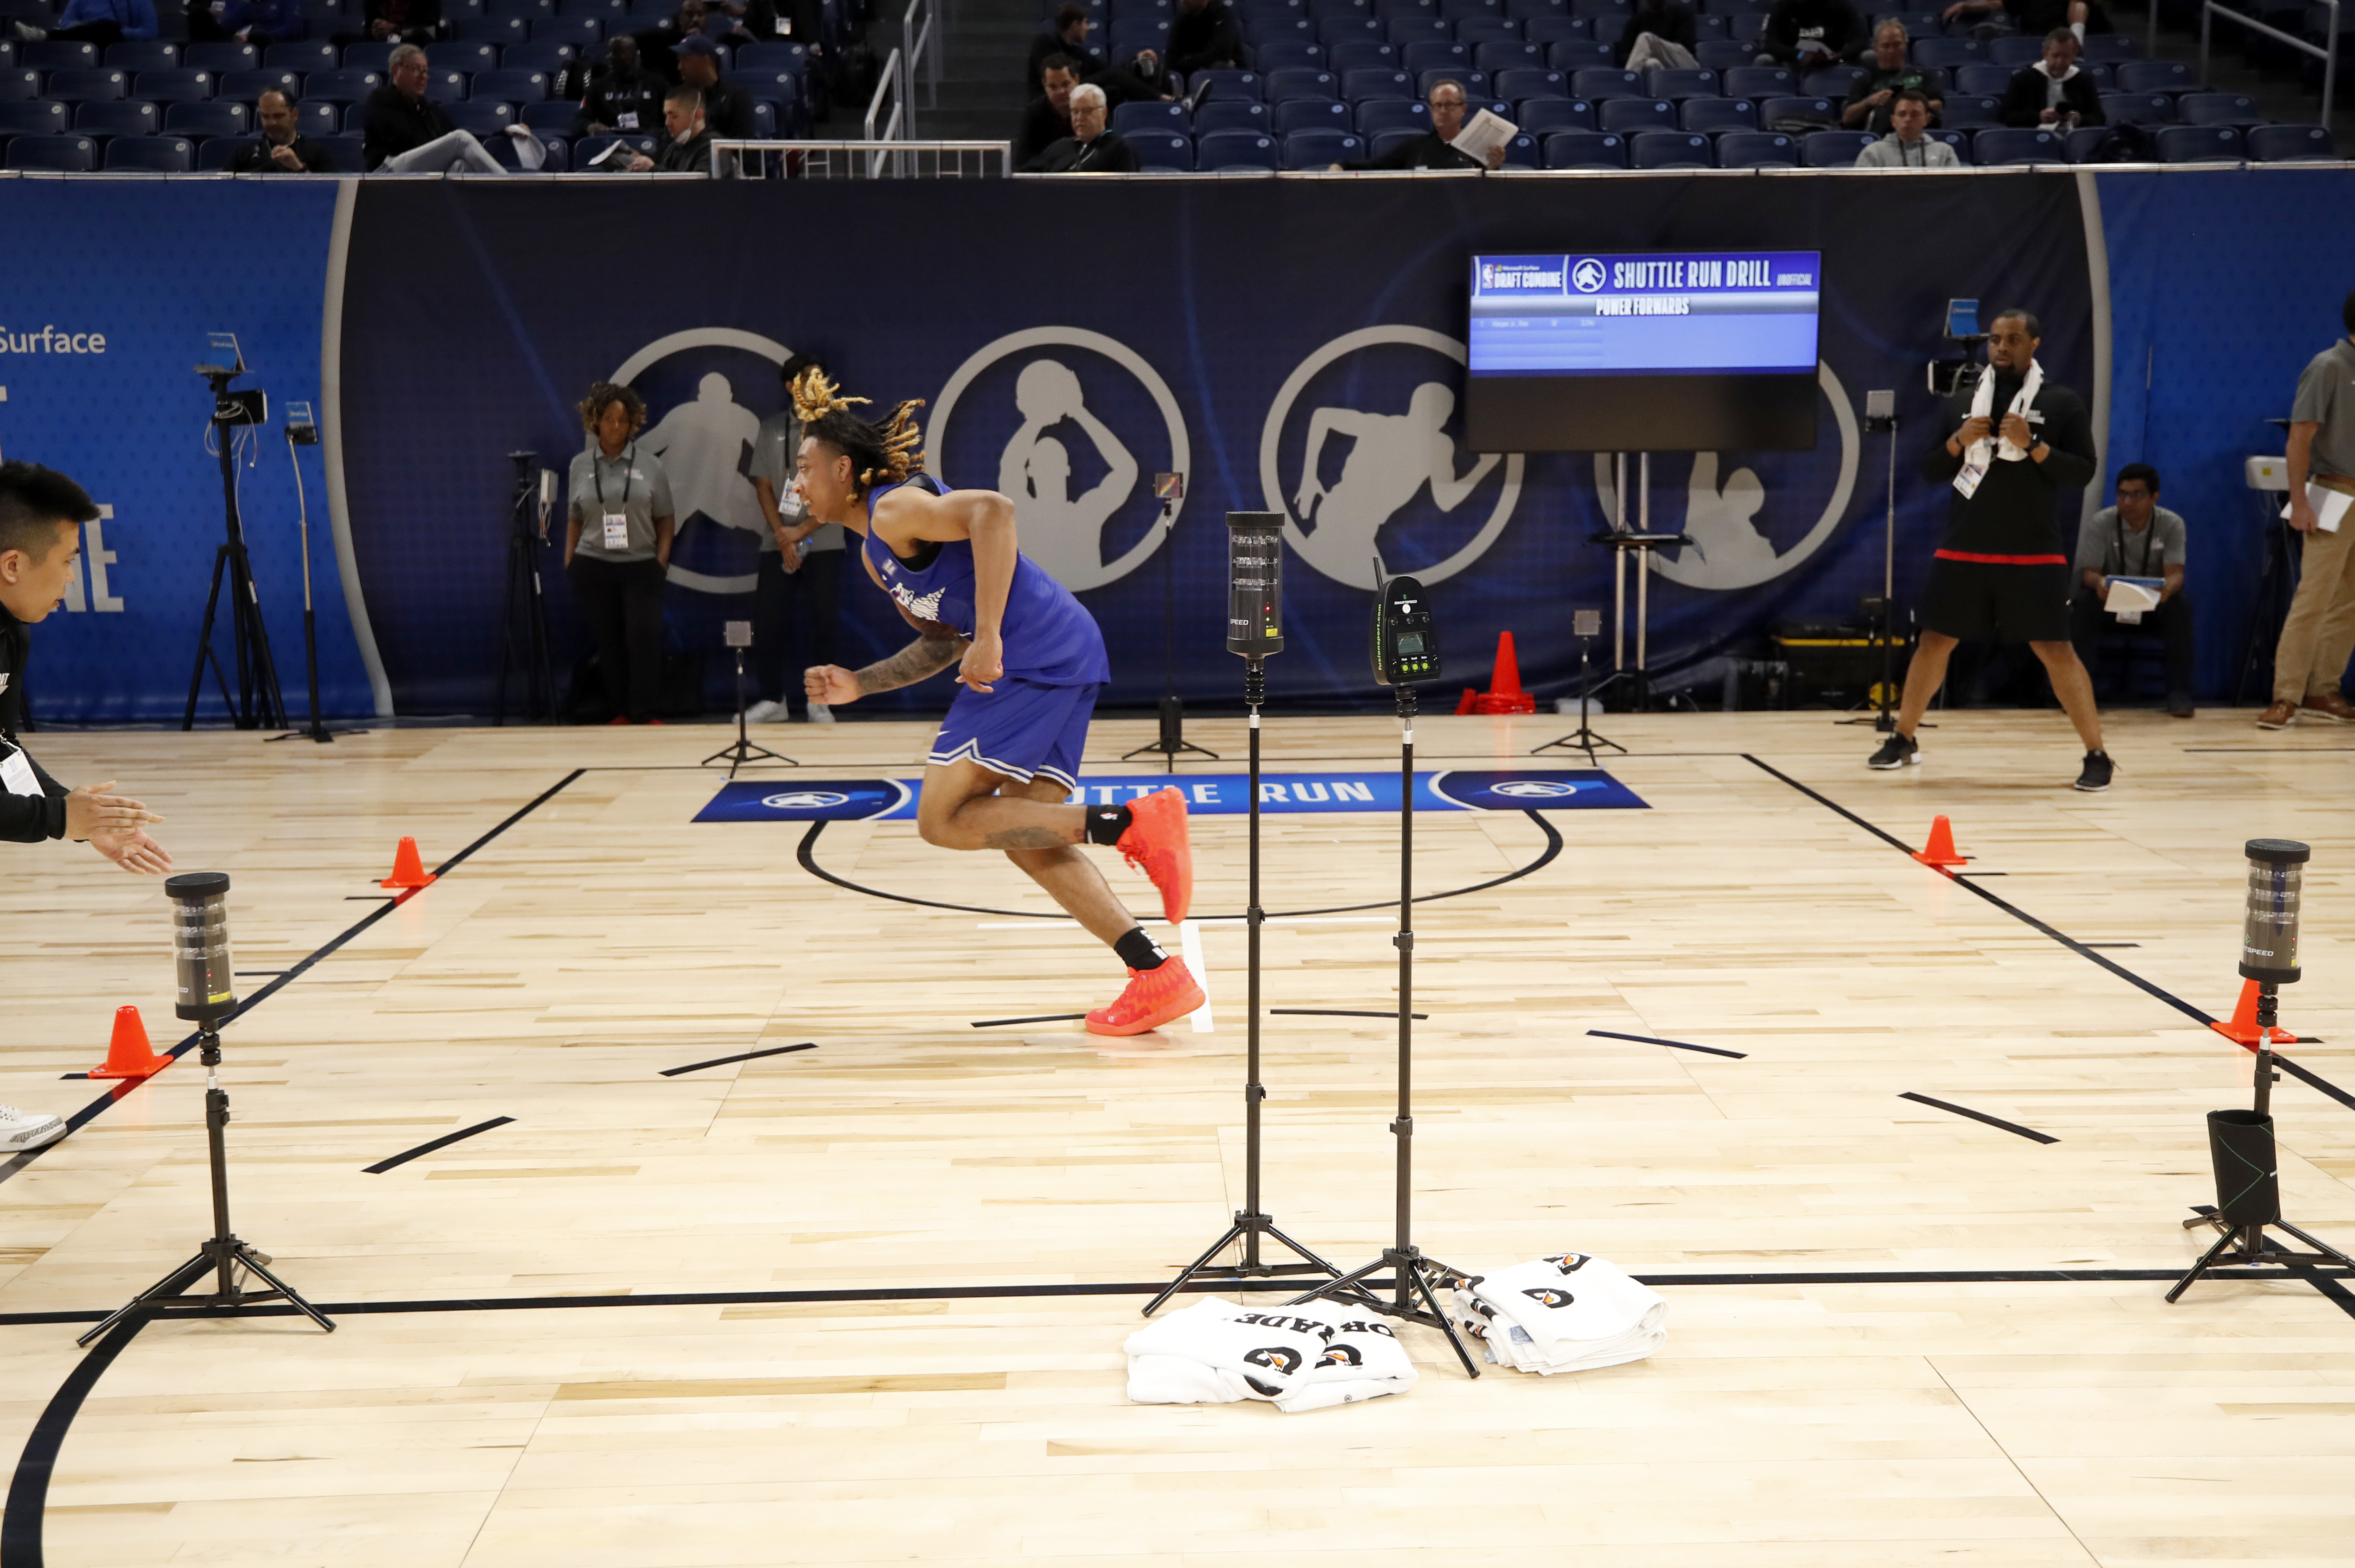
{"type": "Point", "coordinates": [1206, 795]}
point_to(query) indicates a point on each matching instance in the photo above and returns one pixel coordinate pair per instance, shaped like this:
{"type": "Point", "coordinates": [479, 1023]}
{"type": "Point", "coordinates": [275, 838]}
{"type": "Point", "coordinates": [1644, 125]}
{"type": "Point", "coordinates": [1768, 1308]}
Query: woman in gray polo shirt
{"type": "Point", "coordinates": [618, 526]}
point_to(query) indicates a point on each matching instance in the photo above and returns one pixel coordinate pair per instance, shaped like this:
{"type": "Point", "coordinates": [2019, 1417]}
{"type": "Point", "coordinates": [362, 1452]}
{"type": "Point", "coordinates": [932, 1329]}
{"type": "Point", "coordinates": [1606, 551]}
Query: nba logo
{"type": "Point", "coordinates": [1487, 275]}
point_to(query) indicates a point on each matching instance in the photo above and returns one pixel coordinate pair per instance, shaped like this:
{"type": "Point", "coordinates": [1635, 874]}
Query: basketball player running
{"type": "Point", "coordinates": [1030, 661]}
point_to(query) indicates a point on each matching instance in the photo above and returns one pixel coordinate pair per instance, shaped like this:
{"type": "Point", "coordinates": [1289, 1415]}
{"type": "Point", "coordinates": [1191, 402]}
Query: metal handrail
{"type": "Point", "coordinates": [920, 43]}
{"type": "Point", "coordinates": [888, 85]}
{"type": "Point", "coordinates": [2326, 53]}
{"type": "Point", "coordinates": [901, 158]}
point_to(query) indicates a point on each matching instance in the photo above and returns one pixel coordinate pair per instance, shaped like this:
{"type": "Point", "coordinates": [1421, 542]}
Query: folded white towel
{"type": "Point", "coordinates": [1267, 1350]}
{"type": "Point", "coordinates": [1177, 1379]}
{"type": "Point", "coordinates": [1303, 1358]}
{"type": "Point", "coordinates": [1362, 1360]}
{"type": "Point", "coordinates": [1573, 1312]}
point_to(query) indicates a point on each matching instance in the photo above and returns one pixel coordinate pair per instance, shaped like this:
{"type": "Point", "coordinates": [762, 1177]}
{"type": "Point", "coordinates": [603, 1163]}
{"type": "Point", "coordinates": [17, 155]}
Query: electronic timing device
{"type": "Point", "coordinates": [1406, 645]}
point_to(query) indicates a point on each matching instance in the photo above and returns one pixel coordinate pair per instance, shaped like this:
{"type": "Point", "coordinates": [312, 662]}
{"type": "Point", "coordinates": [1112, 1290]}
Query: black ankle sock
{"type": "Point", "coordinates": [1138, 950]}
{"type": "Point", "coordinates": [1105, 825]}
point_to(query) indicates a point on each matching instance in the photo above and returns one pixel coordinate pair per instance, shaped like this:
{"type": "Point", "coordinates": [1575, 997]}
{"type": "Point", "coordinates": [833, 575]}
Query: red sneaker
{"type": "Point", "coordinates": [1153, 997]}
{"type": "Point", "coordinates": [1155, 843]}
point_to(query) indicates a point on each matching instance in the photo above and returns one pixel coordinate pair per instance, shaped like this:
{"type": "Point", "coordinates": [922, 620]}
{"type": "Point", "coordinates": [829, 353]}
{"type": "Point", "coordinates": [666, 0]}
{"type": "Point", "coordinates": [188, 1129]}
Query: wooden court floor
{"type": "Point", "coordinates": [598, 937]}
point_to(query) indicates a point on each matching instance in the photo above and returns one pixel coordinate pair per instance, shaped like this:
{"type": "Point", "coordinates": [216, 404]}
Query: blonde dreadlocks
{"type": "Point", "coordinates": [885, 454]}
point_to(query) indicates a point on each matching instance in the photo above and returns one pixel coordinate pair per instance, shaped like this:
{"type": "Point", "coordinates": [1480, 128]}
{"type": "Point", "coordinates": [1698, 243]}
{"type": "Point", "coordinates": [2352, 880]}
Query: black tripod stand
{"type": "Point", "coordinates": [1172, 738]}
{"type": "Point", "coordinates": [1250, 1221]}
{"type": "Point", "coordinates": [740, 635]}
{"type": "Point", "coordinates": [2247, 1190]}
{"type": "Point", "coordinates": [1881, 415]}
{"type": "Point", "coordinates": [224, 1254]}
{"type": "Point", "coordinates": [526, 534]}
{"type": "Point", "coordinates": [1585, 625]}
{"type": "Point", "coordinates": [301, 430]}
{"type": "Point", "coordinates": [1414, 1278]}
{"type": "Point", "coordinates": [258, 703]}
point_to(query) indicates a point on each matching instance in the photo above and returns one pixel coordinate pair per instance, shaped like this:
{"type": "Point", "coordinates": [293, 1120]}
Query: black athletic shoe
{"type": "Point", "coordinates": [1897, 751]}
{"type": "Point", "coordinates": [2096, 776]}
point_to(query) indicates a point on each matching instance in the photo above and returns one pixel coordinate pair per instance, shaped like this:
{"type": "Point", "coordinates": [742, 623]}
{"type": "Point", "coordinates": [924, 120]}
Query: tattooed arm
{"type": "Point", "coordinates": [926, 657]}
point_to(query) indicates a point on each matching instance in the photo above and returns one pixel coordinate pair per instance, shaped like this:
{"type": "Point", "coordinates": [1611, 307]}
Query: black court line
{"type": "Point", "coordinates": [2322, 1085]}
{"type": "Point", "coordinates": [2114, 944]}
{"type": "Point", "coordinates": [1334, 1013]}
{"type": "Point", "coordinates": [1980, 1116]}
{"type": "Point", "coordinates": [1041, 1018]}
{"type": "Point", "coordinates": [1680, 1045]}
{"type": "Point", "coordinates": [28, 1488]}
{"type": "Point", "coordinates": [745, 1056]}
{"type": "Point", "coordinates": [380, 1166]}
{"type": "Point", "coordinates": [96, 1107]}
{"type": "Point", "coordinates": [807, 855]}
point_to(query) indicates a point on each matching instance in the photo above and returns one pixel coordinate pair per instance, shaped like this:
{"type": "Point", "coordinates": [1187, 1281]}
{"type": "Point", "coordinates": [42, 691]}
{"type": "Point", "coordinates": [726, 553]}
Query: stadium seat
{"type": "Point", "coordinates": [1231, 115]}
{"type": "Point", "coordinates": [175, 86]}
{"type": "Point", "coordinates": [588, 149]}
{"type": "Point", "coordinates": [1982, 81]}
{"type": "Point", "coordinates": [1513, 86]}
{"type": "Point", "coordinates": [67, 153]}
{"type": "Point", "coordinates": [1288, 54]}
{"type": "Point", "coordinates": [551, 117]}
{"type": "Point", "coordinates": [790, 57]}
{"type": "Point", "coordinates": [1585, 150]}
{"type": "Point", "coordinates": [1321, 149]}
{"type": "Point", "coordinates": [1405, 32]}
{"type": "Point", "coordinates": [119, 119]}
{"type": "Point", "coordinates": [445, 86]}
{"type": "Point", "coordinates": [1150, 115]}
{"type": "Point", "coordinates": [2016, 51]}
{"type": "Point", "coordinates": [1759, 82]}
{"type": "Point", "coordinates": [1756, 150]}
{"type": "Point", "coordinates": [1297, 29]}
{"type": "Point", "coordinates": [19, 118]}
{"type": "Point", "coordinates": [555, 159]}
{"type": "Point", "coordinates": [217, 153]}
{"type": "Point", "coordinates": [546, 59]}
{"type": "Point", "coordinates": [511, 86]}
{"type": "Point", "coordinates": [316, 119]}
{"type": "Point", "coordinates": [1570, 54]}
{"type": "Point", "coordinates": [1478, 30]}
{"type": "Point", "coordinates": [2200, 144]}
{"type": "Point", "coordinates": [1615, 12]}
{"type": "Point", "coordinates": [1462, 11]}
{"type": "Point", "coordinates": [1381, 143]}
{"type": "Point", "coordinates": [1536, 10]}
{"type": "Point", "coordinates": [59, 55]}
{"type": "Point", "coordinates": [1670, 150]}
{"type": "Point", "coordinates": [1625, 116]}
{"type": "Point", "coordinates": [232, 54]}
{"type": "Point", "coordinates": [1162, 151]}
{"type": "Point", "coordinates": [529, 10]}
{"type": "Point", "coordinates": [1948, 54]}
{"type": "Point", "coordinates": [1364, 86]}
{"type": "Point", "coordinates": [301, 57]}
{"type": "Point", "coordinates": [1130, 39]}
{"type": "Point", "coordinates": [138, 54]}
{"type": "Point", "coordinates": [1474, 82]}
{"type": "Point", "coordinates": [157, 155]}
{"type": "Point", "coordinates": [218, 118]}
{"type": "Point", "coordinates": [580, 32]}
{"type": "Point", "coordinates": [1224, 87]}
{"type": "Point", "coordinates": [468, 58]}
{"type": "Point", "coordinates": [1832, 81]}
{"type": "Point", "coordinates": [1958, 139]}
{"type": "Point", "coordinates": [1524, 152]}
{"type": "Point", "coordinates": [2139, 76]}
{"type": "Point", "coordinates": [1365, 56]}
{"type": "Point", "coordinates": [1676, 86]}
{"type": "Point", "coordinates": [1379, 114]}
{"type": "Point", "coordinates": [19, 86]}
{"type": "Point", "coordinates": [79, 86]}
{"type": "Point", "coordinates": [1964, 112]}
{"type": "Point", "coordinates": [1312, 114]}
{"type": "Point", "coordinates": [603, 10]}
{"type": "Point", "coordinates": [1594, 86]}
{"type": "Point", "coordinates": [1773, 112]}
{"type": "Point", "coordinates": [1502, 54]}
{"type": "Point", "coordinates": [245, 86]}
{"type": "Point", "coordinates": [1550, 30]}
{"type": "Point", "coordinates": [483, 117]}
{"type": "Point", "coordinates": [1724, 56]}
{"type": "Point", "coordinates": [369, 57]}
{"type": "Point", "coordinates": [1833, 149]}
{"type": "Point", "coordinates": [499, 30]}
{"type": "Point", "coordinates": [1420, 59]}
{"type": "Point", "coordinates": [2007, 144]}
{"type": "Point", "coordinates": [2138, 108]}
{"type": "Point", "coordinates": [345, 155]}
{"type": "Point", "coordinates": [2086, 144]}
{"type": "Point", "coordinates": [1235, 150]}
{"type": "Point", "coordinates": [2111, 49]}
{"type": "Point", "coordinates": [1711, 115]}
{"type": "Point", "coordinates": [2218, 108]}
{"type": "Point", "coordinates": [2290, 144]}
{"type": "Point", "coordinates": [1542, 116]}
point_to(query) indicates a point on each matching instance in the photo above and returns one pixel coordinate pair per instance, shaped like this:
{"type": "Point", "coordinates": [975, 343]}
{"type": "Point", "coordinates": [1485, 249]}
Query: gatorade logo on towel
{"type": "Point", "coordinates": [1550, 1297]}
{"type": "Point", "coordinates": [1276, 1358]}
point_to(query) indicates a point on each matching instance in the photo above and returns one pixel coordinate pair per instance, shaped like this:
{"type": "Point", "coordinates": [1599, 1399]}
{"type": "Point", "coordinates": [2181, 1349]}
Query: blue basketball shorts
{"type": "Point", "coordinates": [1021, 729]}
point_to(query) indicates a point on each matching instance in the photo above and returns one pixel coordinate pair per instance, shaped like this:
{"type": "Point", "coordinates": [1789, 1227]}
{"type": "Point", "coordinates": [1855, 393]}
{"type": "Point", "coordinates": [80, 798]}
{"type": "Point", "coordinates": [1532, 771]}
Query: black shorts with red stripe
{"type": "Point", "coordinates": [1997, 598]}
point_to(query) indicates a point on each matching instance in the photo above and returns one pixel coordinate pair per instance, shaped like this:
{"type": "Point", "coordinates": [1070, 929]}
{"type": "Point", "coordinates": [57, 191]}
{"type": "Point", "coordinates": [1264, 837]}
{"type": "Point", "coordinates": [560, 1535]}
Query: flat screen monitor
{"type": "Point", "coordinates": [1659, 351]}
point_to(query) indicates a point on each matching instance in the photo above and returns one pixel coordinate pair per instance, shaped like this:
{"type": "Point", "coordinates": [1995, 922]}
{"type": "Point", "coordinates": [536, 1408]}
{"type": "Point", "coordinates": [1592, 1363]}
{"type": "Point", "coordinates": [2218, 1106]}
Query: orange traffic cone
{"type": "Point", "coordinates": [2242, 1029]}
{"type": "Point", "coordinates": [1469, 703]}
{"type": "Point", "coordinates": [1505, 694]}
{"type": "Point", "coordinates": [408, 872]}
{"type": "Point", "coordinates": [128, 1054]}
{"type": "Point", "coordinates": [1940, 850]}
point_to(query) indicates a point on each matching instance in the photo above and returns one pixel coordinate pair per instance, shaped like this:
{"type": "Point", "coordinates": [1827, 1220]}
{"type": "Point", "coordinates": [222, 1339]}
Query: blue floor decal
{"type": "Point", "coordinates": [1206, 795]}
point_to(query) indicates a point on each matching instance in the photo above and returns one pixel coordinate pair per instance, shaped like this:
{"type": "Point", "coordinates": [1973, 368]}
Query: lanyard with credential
{"type": "Point", "coordinates": [2149, 537]}
{"type": "Point", "coordinates": [629, 474]}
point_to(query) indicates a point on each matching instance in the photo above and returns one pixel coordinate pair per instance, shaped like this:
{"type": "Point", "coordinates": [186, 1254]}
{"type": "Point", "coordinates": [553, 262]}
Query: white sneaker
{"type": "Point", "coordinates": [765, 712]}
{"type": "Point", "coordinates": [819, 713]}
{"type": "Point", "coordinates": [22, 1130]}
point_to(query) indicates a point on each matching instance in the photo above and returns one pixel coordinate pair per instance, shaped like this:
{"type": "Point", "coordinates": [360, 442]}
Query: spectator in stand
{"type": "Point", "coordinates": [1434, 149]}
{"type": "Point", "coordinates": [100, 22]}
{"type": "Point", "coordinates": [628, 98]}
{"type": "Point", "coordinates": [1089, 149]}
{"type": "Point", "coordinates": [1987, 18]}
{"type": "Point", "coordinates": [1047, 120]}
{"type": "Point", "coordinates": [1803, 34]}
{"type": "Point", "coordinates": [397, 21]}
{"type": "Point", "coordinates": [1658, 32]}
{"type": "Point", "coordinates": [755, 21]}
{"type": "Point", "coordinates": [1906, 146]}
{"type": "Point", "coordinates": [405, 132]}
{"type": "Point", "coordinates": [1203, 36]}
{"type": "Point", "coordinates": [1142, 79]}
{"type": "Point", "coordinates": [1871, 102]}
{"type": "Point", "coordinates": [280, 150]}
{"type": "Point", "coordinates": [2053, 92]}
{"type": "Point", "coordinates": [658, 44]}
{"type": "Point", "coordinates": [618, 527]}
{"type": "Point", "coordinates": [727, 108]}
{"type": "Point", "coordinates": [2136, 537]}
{"type": "Point", "coordinates": [260, 22]}
{"type": "Point", "coordinates": [798, 589]}
{"type": "Point", "coordinates": [2310, 659]}
{"type": "Point", "coordinates": [1068, 39]}
{"type": "Point", "coordinates": [686, 145]}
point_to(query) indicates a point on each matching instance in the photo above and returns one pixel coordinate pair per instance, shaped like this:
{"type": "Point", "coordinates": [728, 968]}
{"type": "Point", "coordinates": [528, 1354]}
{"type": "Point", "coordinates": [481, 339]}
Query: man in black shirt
{"type": "Point", "coordinates": [1089, 149]}
{"type": "Point", "coordinates": [685, 146]}
{"type": "Point", "coordinates": [1142, 79]}
{"type": "Point", "coordinates": [2010, 444]}
{"type": "Point", "coordinates": [1434, 149]}
{"type": "Point", "coordinates": [1204, 37]}
{"type": "Point", "coordinates": [628, 98]}
{"type": "Point", "coordinates": [1047, 119]}
{"type": "Point", "coordinates": [405, 132]}
{"type": "Point", "coordinates": [281, 149]}
{"type": "Point", "coordinates": [1068, 39]}
{"type": "Point", "coordinates": [1805, 34]}
{"type": "Point", "coordinates": [727, 108]}
{"type": "Point", "coordinates": [1870, 101]}
{"type": "Point", "coordinates": [2053, 92]}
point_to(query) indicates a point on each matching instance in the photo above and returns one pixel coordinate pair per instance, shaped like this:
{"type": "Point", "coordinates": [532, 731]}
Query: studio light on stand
{"type": "Point", "coordinates": [258, 703]}
{"type": "Point", "coordinates": [1170, 489]}
{"type": "Point", "coordinates": [2241, 1143]}
{"type": "Point", "coordinates": [531, 500]}
{"type": "Point", "coordinates": [1406, 650]}
{"type": "Point", "coordinates": [1585, 625]}
{"type": "Point", "coordinates": [740, 637]}
{"type": "Point", "coordinates": [206, 997]}
{"type": "Point", "coordinates": [302, 429]}
{"type": "Point", "coordinates": [1255, 629]}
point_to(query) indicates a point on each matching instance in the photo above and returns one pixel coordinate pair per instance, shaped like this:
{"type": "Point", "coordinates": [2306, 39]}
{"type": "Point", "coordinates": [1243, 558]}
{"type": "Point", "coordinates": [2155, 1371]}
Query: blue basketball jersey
{"type": "Point", "coordinates": [1050, 640]}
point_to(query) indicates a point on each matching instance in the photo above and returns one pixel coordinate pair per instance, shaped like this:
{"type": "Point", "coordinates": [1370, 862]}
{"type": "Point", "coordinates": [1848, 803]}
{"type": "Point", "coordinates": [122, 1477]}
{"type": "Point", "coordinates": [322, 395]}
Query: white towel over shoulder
{"type": "Point", "coordinates": [1976, 455]}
